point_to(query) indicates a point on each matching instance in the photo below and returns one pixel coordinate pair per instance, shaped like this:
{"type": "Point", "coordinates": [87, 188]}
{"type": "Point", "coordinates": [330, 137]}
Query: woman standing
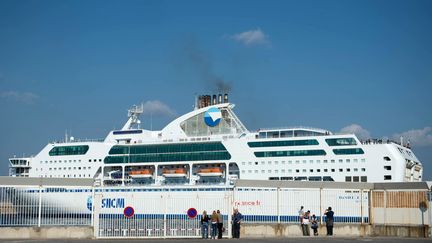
{"type": "Point", "coordinates": [204, 225]}
{"type": "Point", "coordinates": [214, 224]}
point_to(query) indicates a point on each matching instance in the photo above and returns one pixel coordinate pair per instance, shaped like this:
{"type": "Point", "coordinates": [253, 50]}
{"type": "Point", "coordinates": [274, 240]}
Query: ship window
{"type": "Point", "coordinates": [387, 177]}
{"type": "Point", "coordinates": [89, 160]}
{"type": "Point", "coordinates": [289, 171]}
{"type": "Point", "coordinates": [297, 161]}
{"type": "Point", "coordinates": [283, 143]}
{"type": "Point", "coordinates": [94, 160]}
{"type": "Point", "coordinates": [289, 162]}
{"type": "Point", "coordinates": [386, 158]}
{"type": "Point", "coordinates": [286, 178]}
{"type": "Point", "coordinates": [69, 150]}
{"type": "Point", "coordinates": [282, 171]}
{"type": "Point", "coordinates": [256, 171]}
{"type": "Point", "coordinates": [297, 171]}
{"type": "Point", "coordinates": [387, 167]}
{"type": "Point", "coordinates": [304, 161]}
{"type": "Point", "coordinates": [348, 169]}
{"type": "Point", "coordinates": [243, 171]}
{"type": "Point", "coordinates": [341, 161]}
{"type": "Point", "coordinates": [249, 171]}
{"type": "Point", "coordinates": [348, 178]}
{"type": "Point", "coordinates": [263, 162]}
{"type": "Point", "coordinates": [243, 163]}
{"type": "Point", "coordinates": [332, 170]}
{"type": "Point", "coordinates": [304, 170]}
{"type": "Point", "coordinates": [325, 161]}
{"type": "Point", "coordinates": [363, 169]}
{"type": "Point", "coordinates": [273, 178]}
{"type": "Point", "coordinates": [262, 171]}
{"type": "Point", "coordinates": [355, 169]}
{"type": "Point", "coordinates": [363, 179]}
{"type": "Point", "coordinates": [341, 141]}
{"type": "Point", "coordinates": [276, 162]}
{"type": "Point", "coordinates": [269, 171]}
{"type": "Point", "coordinates": [269, 162]}
{"type": "Point", "coordinates": [290, 153]}
{"type": "Point", "coordinates": [363, 160]}
{"type": "Point", "coordinates": [348, 151]}
{"type": "Point", "coordinates": [348, 160]}
{"type": "Point", "coordinates": [276, 171]}
{"type": "Point", "coordinates": [311, 161]}
{"type": "Point", "coordinates": [340, 170]}
{"type": "Point", "coordinates": [250, 163]}
{"type": "Point", "coordinates": [333, 161]}
{"type": "Point", "coordinates": [325, 170]}
{"type": "Point", "coordinates": [311, 170]}
{"type": "Point", "coordinates": [318, 161]}
{"type": "Point", "coordinates": [355, 179]}
{"type": "Point", "coordinates": [318, 170]}
{"type": "Point", "coordinates": [256, 163]}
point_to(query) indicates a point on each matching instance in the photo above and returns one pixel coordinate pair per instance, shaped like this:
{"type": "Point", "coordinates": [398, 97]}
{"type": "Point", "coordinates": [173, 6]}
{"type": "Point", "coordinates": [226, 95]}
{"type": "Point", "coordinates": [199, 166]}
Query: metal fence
{"type": "Point", "coordinates": [42, 206]}
{"type": "Point", "coordinates": [156, 212]}
{"type": "Point", "coordinates": [282, 205]}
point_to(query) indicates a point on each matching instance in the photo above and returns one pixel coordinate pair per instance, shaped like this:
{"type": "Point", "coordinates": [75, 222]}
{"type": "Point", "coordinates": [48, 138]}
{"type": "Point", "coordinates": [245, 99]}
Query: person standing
{"type": "Point", "coordinates": [204, 225]}
{"type": "Point", "coordinates": [305, 224]}
{"type": "Point", "coordinates": [214, 222]}
{"type": "Point", "coordinates": [329, 220]}
{"type": "Point", "coordinates": [301, 215]}
{"type": "Point", "coordinates": [314, 224]}
{"type": "Point", "coordinates": [220, 224]}
{"type": "Point", "coordinates": [237, 218]}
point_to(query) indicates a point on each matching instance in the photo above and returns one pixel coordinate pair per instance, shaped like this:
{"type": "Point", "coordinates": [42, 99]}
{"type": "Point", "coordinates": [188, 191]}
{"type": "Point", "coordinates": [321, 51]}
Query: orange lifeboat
{"type": "Point", "coordinates": [144, 173]}
{"type": "Point", "coordinates": [214, 171]}
{"type": "Point", "coordinates": [176, 172]}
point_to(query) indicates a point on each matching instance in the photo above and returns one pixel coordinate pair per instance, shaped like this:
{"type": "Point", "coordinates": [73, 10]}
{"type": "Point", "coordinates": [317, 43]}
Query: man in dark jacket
{"type": "Point", "coordinates": [329, 220]}
{"type": "Point", "coordinates": [237, 218]}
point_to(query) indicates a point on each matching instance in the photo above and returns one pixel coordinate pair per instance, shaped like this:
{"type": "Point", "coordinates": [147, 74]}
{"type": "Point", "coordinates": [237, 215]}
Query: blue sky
{"type": "Point", "coordinates": [362, 66]}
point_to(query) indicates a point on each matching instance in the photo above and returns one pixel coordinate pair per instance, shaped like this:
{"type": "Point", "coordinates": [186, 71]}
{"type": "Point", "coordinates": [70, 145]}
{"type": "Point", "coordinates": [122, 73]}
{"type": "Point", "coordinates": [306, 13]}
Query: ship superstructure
{"type": "Point", "coordinates": [210, 145]}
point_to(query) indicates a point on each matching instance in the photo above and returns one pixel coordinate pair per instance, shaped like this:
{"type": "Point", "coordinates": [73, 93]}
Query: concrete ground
{"type": "Point", "coordinates": [244, 240]}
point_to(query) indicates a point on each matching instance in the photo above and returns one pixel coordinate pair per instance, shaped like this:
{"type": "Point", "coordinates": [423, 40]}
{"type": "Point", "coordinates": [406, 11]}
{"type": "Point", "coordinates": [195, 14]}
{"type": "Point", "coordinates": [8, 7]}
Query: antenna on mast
{"type": "Point", "coordinates": [133, 114]}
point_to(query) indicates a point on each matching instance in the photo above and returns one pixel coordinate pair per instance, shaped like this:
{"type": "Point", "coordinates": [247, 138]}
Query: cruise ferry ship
{"type": "Point", "coordinates": [210, 145]}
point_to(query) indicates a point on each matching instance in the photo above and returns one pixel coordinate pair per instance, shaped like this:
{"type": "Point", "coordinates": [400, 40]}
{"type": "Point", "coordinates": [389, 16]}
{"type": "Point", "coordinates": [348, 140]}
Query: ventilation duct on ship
{"type": "Point", "coordinates": [214, 100]}
{"type": "Point", "coordinates": [220, 99]}
{"type": "Point", "coordinates": [226, 98]}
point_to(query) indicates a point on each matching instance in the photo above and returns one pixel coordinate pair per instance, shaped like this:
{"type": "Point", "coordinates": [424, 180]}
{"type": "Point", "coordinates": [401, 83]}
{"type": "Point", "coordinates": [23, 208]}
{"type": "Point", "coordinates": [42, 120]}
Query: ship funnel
{"type": "Point", "coordinates": [220, 99]}
{"type": "Point", "coordinates": [226, 98]}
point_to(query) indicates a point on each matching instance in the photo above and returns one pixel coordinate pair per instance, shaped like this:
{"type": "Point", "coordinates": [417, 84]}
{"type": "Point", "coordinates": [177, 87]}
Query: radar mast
{"type": "Point", "coordinates": [134, 114]}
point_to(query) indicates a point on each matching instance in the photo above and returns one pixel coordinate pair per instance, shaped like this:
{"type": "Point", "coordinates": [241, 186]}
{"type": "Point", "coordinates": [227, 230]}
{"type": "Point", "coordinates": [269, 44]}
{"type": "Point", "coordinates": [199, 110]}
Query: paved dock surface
{"type": "Point", "coordinates": [243, 240]}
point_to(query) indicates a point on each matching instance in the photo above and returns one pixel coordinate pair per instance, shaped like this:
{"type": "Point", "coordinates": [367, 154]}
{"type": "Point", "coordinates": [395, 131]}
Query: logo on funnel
{"type": "Point", "coordinates": [212, 117]}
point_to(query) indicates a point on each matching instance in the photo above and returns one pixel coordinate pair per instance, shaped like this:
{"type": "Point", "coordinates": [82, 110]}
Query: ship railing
{"type": "Point", "coordinates": [292, 128]}
{"type": "Point", "coordinates": [80, 140]}
{"type": "Point", "coordinates": [374, 141]}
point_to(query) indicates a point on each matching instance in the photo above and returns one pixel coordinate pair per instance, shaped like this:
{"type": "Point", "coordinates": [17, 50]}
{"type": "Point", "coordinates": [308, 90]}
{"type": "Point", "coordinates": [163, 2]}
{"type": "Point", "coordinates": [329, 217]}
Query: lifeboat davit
{"type": "Point", "coordinates": [145, 173]}
{"type": "Point", "coordinates": [210, 172]}
{"type": "Point", "coordinates": [178, 172]}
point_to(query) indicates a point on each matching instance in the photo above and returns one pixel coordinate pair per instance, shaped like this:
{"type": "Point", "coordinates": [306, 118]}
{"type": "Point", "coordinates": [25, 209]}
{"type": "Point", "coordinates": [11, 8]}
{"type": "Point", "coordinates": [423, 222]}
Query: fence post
{"type": "Point", "coordinates": [40, 207]}
{"type": "Point", "coordinates": [361, 207]}
{"type": "Point", "coordinates": [97, 199]}
{"type": "Point", "coordinates": [92, 207]}
{"type": "Point", "coordinates": [230, 207]}
{"type": "Point", "coordinates": [320, 200]}
{"type": "Point", "coordinates": [278, 204]}
{"type": "Point", "coordinates": [165, 202]}
{"type": "Point", "coordinates": [385, 207]}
